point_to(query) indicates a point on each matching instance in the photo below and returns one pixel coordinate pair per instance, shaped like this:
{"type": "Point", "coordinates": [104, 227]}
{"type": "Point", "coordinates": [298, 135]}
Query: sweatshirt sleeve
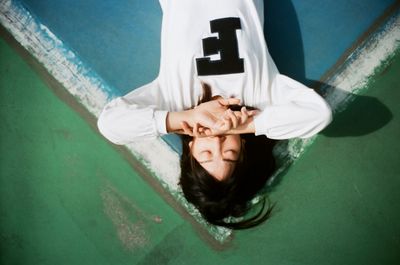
{"type": "Point", "coordinates": [141, 114]}
{"type": "Point", "coordinates": [294, 111]}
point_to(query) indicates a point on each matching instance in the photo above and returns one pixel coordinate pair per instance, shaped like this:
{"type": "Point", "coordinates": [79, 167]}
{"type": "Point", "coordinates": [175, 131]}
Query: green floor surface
{"type": "Point", "coordinates": [68, 197]}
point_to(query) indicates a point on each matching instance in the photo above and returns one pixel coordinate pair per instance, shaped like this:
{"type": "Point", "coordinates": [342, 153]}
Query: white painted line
{"type": "Point", "coordinates": [361, 65]}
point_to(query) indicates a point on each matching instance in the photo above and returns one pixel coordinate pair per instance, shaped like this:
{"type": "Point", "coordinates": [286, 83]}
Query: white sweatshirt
{"type": "Point", "coordinates": [221, 43]}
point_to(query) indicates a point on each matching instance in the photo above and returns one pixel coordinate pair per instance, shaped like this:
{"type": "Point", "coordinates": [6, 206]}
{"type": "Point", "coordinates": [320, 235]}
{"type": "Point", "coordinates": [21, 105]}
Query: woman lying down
{"type": "Point", "coordinates": [220, 90]}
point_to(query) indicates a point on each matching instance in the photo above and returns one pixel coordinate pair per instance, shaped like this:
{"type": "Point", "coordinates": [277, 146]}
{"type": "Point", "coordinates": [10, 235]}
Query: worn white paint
{"type": "Point", "coordinates": [361, 65]}
{"type": "Point", "coordinates": [56, 57]}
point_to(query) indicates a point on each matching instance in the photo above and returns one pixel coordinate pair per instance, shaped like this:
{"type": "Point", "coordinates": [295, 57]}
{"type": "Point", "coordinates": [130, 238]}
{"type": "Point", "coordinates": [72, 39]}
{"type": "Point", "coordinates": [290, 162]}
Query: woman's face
{"type": "Point", "coordinates": [217, 154]}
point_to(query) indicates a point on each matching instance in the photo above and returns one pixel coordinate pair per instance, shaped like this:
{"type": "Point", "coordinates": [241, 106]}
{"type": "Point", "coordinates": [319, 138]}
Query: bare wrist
{"type": "Point", "coordinates": [174, 120]}
{"type": "Point", "coordinates": [247, 127]}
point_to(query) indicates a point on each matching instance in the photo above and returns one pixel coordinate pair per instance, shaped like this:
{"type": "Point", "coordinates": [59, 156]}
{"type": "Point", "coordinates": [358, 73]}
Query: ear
{"type": "Point", "coordinates": [190, 144]}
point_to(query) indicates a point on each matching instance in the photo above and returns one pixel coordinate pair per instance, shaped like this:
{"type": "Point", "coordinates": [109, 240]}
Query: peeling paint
{"type": "Point", "coordinates": [363, 64]}
{"type": "Point", "coordinates": [129, 222]}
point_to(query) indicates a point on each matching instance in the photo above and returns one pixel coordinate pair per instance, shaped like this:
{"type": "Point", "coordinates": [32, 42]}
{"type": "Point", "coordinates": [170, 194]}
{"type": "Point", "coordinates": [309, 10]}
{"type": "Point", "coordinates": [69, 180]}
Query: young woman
{"type": "Point", "coordinates": [213, 58]}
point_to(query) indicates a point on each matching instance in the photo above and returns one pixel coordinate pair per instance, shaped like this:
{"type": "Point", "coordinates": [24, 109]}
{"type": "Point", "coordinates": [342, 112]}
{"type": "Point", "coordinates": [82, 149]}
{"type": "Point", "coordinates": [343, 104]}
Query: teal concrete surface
{"type": "Point", "coordinates": [57, 188]}
{"type": "Point", "coordinates": [60, 203]}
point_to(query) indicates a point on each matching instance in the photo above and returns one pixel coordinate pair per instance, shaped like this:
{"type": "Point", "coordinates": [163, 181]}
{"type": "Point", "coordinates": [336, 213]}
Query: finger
{"type": "Point", "coordinates": [203, 131]}
{"type": "Point", "coordinates": [233, 118]}
{"type": "Point", "coordinates": [227, 123]}
{"type": "Point", "coordinates": [195, 129]}
{"type": "Point", "coordinates": [208, 132]}
{"type": "Point", "coordinates": [244, 115]}
{"type": "Point", "coordinates": [252, 113]}
{"type": "Point", "coordinates": [186, 128]}
{"type": "Point", "coordinates": [229, 101]}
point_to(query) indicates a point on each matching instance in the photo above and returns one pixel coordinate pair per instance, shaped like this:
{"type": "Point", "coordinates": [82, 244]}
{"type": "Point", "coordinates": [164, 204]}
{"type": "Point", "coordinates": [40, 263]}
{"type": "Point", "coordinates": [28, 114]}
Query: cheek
{"type": "Point", "coordinates": [197, 146]}
{"type": "Point", "coordinates": [234, 143]}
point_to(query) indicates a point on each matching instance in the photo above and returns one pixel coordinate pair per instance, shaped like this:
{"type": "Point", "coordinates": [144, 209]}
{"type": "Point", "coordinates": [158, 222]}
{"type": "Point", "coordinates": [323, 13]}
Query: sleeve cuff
{"type": "Point", "coordinates": [160, 117]}
{"type": "Point", "coordinates": [260, 126]}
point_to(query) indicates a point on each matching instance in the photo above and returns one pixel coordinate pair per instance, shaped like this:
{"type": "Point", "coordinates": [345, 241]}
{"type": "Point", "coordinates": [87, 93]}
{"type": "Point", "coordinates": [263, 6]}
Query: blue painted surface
{"type": "Point", "coordinates": [121, 42]}
{"type": "Point", "coordinates": [306, 38]}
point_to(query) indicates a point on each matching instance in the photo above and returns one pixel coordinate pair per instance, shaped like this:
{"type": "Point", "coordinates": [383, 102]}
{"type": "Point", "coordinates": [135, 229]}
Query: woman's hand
{"type": "Point", "coordinates": [211, 118]}
{"type": "Point", "coordinates": [230, 122]}
{"type": "Point", "coordinates": [209, 113]}
{"type": "Point", "coordinates": [206, 115]}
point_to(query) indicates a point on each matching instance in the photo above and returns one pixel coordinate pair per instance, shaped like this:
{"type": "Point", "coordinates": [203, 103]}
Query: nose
{"type": "Point", "coordinates": [217, 146]}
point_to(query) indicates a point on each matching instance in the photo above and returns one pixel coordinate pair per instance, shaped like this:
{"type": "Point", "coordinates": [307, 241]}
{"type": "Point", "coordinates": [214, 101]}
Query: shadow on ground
{"type": "Point", "coordinates": [354, 115]}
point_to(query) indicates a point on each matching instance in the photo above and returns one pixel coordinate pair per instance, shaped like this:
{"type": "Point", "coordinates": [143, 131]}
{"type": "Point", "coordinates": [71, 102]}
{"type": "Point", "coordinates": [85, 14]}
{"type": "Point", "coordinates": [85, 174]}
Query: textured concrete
{"type": "Point", "coordinates": [57, 189]}
{"type": "Point", "coordinates": [60, 203]}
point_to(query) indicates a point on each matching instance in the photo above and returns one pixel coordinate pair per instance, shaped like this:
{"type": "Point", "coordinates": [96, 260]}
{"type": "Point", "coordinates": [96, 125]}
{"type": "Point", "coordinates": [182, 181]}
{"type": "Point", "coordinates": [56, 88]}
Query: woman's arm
{"type": "Point", "coordinates": [137, 115]}
{"type": "Point", "coordinates": [295, 111]}
{"type": "Point", "coordinates": [174, 121]}
{"type": "Point", "coordinates": [143, 114]}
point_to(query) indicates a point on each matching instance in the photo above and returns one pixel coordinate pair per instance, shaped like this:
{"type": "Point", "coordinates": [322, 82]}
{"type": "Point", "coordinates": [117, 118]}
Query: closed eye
{"type": "Point", "coordinates": [225, 160]}
{"type": "Point", "coordinates": [231, 154]}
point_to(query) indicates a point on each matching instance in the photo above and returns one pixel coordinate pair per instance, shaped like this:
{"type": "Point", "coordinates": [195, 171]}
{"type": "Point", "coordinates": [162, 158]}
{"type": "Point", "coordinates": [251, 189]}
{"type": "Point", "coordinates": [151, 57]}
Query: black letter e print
{"type": "Point", "coordinates": [226, 44]}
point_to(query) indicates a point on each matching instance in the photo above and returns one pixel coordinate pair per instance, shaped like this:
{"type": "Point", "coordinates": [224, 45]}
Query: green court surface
{"type": "Point", "coordinates": [67, 196]}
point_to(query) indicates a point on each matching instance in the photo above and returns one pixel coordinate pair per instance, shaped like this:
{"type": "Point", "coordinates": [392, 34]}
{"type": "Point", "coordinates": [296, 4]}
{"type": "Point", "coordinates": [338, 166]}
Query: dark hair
{"type": "Point", "coordinates": [230, 197]}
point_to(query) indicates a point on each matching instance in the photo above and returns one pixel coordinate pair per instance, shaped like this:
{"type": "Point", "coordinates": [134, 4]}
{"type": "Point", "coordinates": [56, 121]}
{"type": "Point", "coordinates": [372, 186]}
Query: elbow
{"type": "Point", "coordinates": [104, 126]}
{"type": "Point", "coordinates": [322, 118]}
{"type": "Point", "coordinates": [101, 125]}
{"type": "Point", "coordinates": [325, 116]}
